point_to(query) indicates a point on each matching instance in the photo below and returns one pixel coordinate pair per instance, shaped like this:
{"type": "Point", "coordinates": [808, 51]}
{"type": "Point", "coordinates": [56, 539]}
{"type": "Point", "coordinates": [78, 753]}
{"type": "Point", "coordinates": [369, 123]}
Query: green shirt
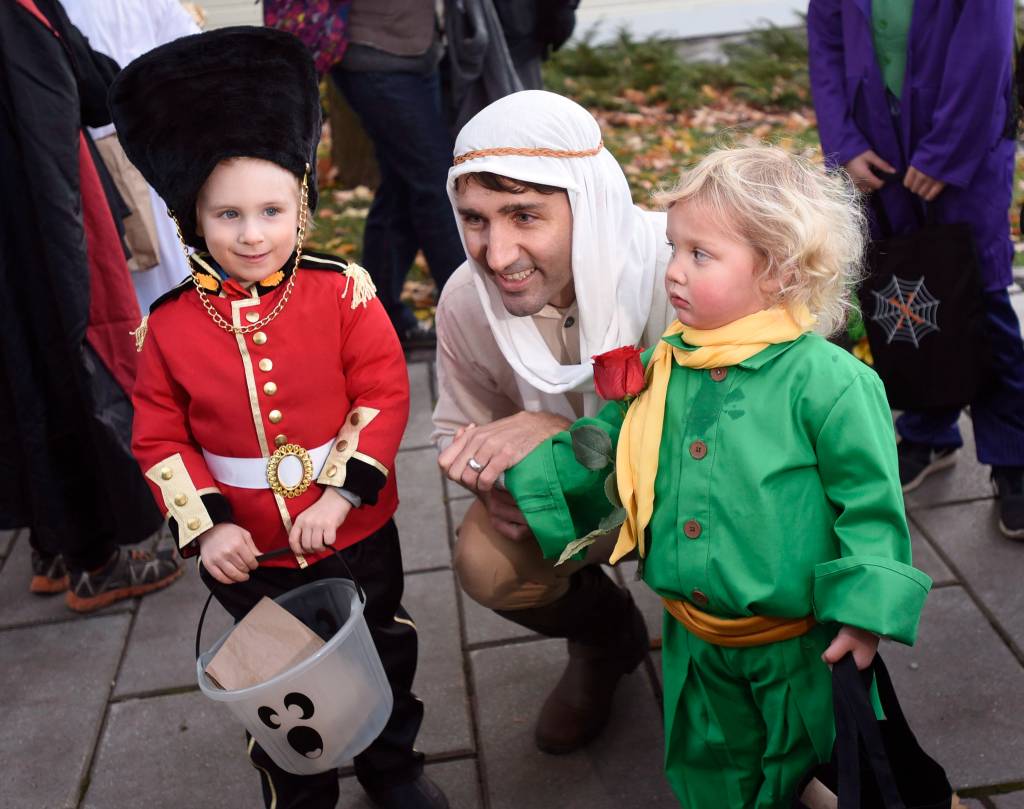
{"type": "Point", "coordinates": [789, 506]}
{"type": "Point", "coordinates": [890, 28]}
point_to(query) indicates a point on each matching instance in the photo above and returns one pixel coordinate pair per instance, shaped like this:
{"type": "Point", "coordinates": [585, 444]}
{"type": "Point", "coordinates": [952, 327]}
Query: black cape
{"type": "Point", "coordinates": [66, 469]}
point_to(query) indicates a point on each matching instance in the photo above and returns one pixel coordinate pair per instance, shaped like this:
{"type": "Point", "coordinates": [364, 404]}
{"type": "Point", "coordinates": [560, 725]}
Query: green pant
{"type": "Point", "coordinates": [742, 725]}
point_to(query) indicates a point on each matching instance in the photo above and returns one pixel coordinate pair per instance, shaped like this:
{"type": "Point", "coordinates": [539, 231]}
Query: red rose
{"type": "Point", "coordinates": [618, 374]}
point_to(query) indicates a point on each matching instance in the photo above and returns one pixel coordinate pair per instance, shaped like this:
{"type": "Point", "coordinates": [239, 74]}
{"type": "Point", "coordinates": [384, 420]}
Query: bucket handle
{"type": "Point", "coordinates": [270, 555]}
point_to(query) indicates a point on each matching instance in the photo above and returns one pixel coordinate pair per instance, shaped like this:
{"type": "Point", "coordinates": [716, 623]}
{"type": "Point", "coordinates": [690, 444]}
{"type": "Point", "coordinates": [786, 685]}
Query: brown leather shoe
{"type": "Point", "coordinates": [607, 639]}
{"type": "Point", "coordinates": [578, 707]}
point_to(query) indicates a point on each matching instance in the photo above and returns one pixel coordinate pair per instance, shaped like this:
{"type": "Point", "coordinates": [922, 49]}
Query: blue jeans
{"type": "Point", "coordinates": [402, 114]}
{"type": "Point", "coordinates": [998, 409]}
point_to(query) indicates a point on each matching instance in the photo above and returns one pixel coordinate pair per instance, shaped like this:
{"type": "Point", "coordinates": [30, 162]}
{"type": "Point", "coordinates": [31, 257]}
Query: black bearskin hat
{"type": "Point", "coordinates": [234, 92]}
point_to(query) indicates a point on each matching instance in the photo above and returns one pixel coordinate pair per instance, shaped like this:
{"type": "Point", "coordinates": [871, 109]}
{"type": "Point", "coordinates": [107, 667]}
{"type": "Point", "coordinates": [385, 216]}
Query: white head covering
{"type": "Point", "coordinates": [616, 261]}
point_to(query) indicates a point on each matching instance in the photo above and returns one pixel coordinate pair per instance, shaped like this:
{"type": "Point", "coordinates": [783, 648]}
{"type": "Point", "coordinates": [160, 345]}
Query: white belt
{"type": "Point", "coordinates": [251, 473]}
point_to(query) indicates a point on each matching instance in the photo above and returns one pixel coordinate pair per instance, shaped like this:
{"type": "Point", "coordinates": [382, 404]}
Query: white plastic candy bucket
{"type": "Point", "coordinates": [328, 708]}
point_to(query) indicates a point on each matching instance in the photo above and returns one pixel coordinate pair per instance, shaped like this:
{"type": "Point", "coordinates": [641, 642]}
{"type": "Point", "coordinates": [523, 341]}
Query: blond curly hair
{"type": "Point", "coordinates": [808, 225]}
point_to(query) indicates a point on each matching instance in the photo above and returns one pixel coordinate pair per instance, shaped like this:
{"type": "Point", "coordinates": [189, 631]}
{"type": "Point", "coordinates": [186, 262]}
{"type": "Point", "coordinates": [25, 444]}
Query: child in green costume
{"type": "Point", "coordinates": [758, 473]}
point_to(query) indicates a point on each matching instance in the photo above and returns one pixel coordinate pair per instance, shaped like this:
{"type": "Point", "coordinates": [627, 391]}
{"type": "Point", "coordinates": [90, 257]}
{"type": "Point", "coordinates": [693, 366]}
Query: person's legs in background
{"type": "Point", "coordinates": [402, 115]}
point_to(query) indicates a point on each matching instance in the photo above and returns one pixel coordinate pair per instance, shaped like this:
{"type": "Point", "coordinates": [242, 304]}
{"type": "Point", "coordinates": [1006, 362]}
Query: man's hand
{"type": "Point", "coordinates": [505, 515]}
{"type": "Point", "coordinates": [862, 643]}
{"type": "Point", "coordinates": [863, 177]}
{"type": "Point", "coordinates": [917, 182]}
{"type": "Point", "coordinates": [316, 527]}
{"type": "Point", "coordinates": [228, 552]}
{"type": "Point", "coordinates": [496, 447]}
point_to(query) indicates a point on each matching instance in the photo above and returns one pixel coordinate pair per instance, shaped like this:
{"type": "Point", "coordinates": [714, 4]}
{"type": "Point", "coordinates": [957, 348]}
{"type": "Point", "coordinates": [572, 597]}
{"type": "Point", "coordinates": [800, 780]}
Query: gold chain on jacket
{"type": "Point", "coordinates": [273, 313]}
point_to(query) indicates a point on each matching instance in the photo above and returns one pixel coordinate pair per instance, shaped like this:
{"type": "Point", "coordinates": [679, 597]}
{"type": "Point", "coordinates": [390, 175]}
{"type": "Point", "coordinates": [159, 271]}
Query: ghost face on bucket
{"type": "Point", "coordinates": [524, 240]}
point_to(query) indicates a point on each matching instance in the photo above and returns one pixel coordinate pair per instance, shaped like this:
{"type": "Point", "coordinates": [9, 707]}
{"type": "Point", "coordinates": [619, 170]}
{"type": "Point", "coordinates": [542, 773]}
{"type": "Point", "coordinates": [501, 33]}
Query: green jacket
{"type": "Point", "coordinates": [777, 492]}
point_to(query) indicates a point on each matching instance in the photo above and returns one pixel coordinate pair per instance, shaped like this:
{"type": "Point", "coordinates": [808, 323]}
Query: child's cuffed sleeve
{"type": "Point", "coordinates": [377, 382]}
{"type": "Point", "coordinates": [872, 584]}
{"type": "Point", "coordinates": [561, 499]}
{"type": "Point", "coordinates": [171, 461]}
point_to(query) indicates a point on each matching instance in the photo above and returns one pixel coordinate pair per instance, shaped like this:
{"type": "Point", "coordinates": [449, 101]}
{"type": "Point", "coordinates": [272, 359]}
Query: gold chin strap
{"type": "Point", "coordinates": [273, 313]}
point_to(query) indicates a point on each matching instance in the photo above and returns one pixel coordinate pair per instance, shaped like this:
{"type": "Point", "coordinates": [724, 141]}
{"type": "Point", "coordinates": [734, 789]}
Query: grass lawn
{"type": "Point", "coordinates": [657, 113]}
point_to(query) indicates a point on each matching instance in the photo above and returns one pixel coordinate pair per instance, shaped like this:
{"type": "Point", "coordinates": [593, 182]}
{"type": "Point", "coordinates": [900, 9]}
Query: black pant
{"type": "Point", "coordinates": [402, 114]}
{"type": "Point", "coordinates": [376, 562]}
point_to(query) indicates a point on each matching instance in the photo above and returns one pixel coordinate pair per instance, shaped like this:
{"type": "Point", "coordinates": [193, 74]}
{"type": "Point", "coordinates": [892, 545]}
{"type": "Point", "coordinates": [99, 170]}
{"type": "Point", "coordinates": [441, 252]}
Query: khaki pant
{"type": "Point", "coordinates": [502, 574]}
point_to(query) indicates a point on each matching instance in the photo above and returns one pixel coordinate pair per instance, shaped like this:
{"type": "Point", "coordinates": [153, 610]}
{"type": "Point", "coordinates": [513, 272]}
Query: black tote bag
{"type": "Point", "coordinates": [922, 306]}
{"type": "Point", "coordinates": [876, 764]}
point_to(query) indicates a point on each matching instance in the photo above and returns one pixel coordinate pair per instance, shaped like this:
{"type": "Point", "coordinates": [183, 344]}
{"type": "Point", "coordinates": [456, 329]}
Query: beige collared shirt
{"type": "Point", "coordinates": [475, 382]}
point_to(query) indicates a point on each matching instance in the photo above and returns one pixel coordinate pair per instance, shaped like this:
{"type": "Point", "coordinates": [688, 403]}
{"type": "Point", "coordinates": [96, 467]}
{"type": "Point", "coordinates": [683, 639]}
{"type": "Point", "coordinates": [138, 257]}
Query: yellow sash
{"type": "Point", "coordinates": [756, 630]}
{"type": "Point", "coordinates": [636, 460]}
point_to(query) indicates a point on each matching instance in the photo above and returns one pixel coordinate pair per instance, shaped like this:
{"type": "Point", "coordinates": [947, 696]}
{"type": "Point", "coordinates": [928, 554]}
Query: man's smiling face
{"type": "Point", "coordinates": [524, 239]}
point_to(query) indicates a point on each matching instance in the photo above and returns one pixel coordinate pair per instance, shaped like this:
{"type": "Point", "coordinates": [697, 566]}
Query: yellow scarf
{"type": "Point", "coordinates": [636, 461]}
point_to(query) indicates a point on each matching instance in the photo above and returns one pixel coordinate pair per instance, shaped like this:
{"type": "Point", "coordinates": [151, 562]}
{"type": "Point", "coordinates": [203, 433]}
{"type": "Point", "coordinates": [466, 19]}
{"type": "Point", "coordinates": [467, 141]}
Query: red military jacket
{"type": "Point", "coordinates": [320, 392]}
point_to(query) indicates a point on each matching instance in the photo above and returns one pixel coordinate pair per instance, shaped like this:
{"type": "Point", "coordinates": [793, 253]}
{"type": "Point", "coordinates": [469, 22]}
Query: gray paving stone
{"type": "Point", "coordinates": [7, 539]}
{"type": "Point", "coordinates": [965, 480]}
{"type": "Point", "coordinates": [987, 562]}
{"type": "Point", "coordinates": [422, 519]}
{"type": "Point", "coordinates": [620, 769]}
{"type": "Point", "coordinates": [1012, 800]}
{"type": "Point", "coordinates": [963, 692]}
{"type": "Point", "coordinates": [440, 678]}
{"type": "Point", "coordinates": [54, 683]}
{"type": "Point", "coordinates": [180, 750]}
{"type": "Point", "coordinates": [421, 406]}
{"type": "Point", "coordinates": [160, 648]}
{"type": "Point", "coordinates": [927, 560]}
{"type": "Point", "coordinates": [19, 606]}
{"type": "Point", "coordinates": [458, 779]}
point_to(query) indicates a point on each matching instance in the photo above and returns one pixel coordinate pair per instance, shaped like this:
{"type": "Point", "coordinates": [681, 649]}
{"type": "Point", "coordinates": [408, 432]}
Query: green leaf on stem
{"type": "Point", "coordinates": [611, 490]}
{"type": "Point", "coordinates": [592, 447]}
{"type": "Point", "coordinates": [576, 546]}
{"type": "Point", "coordinates": [612, 521]}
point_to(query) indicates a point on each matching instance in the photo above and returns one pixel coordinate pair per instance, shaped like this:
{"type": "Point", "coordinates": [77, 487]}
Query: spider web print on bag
{"type": "Point", "coordinates": [906, 311]}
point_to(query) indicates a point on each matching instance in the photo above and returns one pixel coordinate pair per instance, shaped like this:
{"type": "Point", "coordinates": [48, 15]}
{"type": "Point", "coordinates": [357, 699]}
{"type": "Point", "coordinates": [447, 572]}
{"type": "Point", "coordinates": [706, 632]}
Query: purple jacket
{"type": "Point", "coordinates": [953, 112]}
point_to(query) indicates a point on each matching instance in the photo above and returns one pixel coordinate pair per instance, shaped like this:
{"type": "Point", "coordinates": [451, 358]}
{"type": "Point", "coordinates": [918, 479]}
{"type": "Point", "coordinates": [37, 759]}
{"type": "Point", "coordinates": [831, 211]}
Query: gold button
{"type": "Point", "coordinates": [718, 374]}
{"type": "Point", "coordinates": [275, 416]}
{"type": "Point", "coordinates": [270, 388]}
{"type": "Point", "coordinates": [280, 440]}
{"type": "Point", "coordinates": [355, 419]}
{"type": "Point", "coordinates": [698, 598]}
{"type": "Point", "coordinates": [180, 500]}
{"type": "Point", "coordinates": [332, 470]}
{"type": "Point", "coordinates": [266, 365]}
{"type": "Point", "coordinates": [259, 338]}
{"type": "Point", "coordinates": [193, 524]}
{"type": "Point", "coordinates": [340, 446]}
{"type": "Point", "coordinates": [692, 529]}
{"type": "Point", "coordinates": [166, 473]}
{"type": "Point", "coordinates": [698, 449]}
{"type": "Point", "coordinates": [252, 317]}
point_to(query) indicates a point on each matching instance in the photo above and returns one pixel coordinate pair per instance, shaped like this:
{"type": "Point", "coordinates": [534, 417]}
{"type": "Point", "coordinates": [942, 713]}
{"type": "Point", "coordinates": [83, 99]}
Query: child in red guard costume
{"type": "Point", "coordinates": [272, 391]}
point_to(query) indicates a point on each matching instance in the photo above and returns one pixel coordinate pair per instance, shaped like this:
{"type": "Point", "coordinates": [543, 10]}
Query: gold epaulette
{"type": "Point", "coordinates": [363, 289]}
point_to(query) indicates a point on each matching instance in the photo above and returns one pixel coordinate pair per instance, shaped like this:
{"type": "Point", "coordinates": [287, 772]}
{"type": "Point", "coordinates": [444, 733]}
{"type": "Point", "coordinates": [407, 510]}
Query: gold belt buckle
{"type": "Point", "coordinates": [294, 462]}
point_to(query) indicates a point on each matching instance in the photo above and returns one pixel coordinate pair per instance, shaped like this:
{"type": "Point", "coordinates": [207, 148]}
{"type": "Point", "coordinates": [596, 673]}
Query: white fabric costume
{"type": "Point", "coordinates": [619, 252]}
{"type": "Point", "coordinates": [124, 30]}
